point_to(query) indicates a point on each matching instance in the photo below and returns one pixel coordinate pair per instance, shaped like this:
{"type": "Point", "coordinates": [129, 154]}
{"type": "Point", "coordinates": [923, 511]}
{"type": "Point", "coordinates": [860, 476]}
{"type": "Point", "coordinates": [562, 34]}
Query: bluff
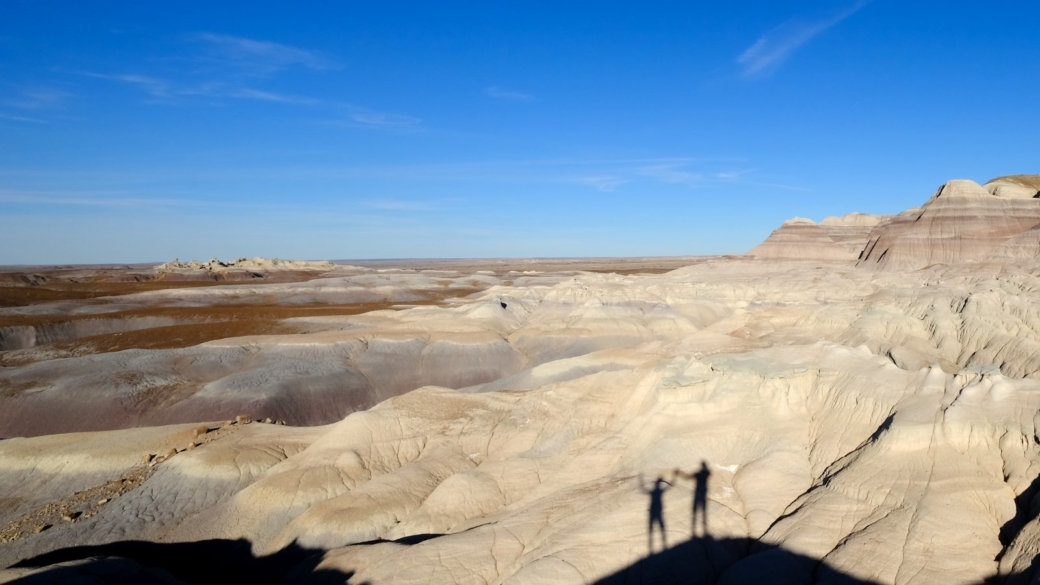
{"type": "Point", "coordinates": [962, 222]}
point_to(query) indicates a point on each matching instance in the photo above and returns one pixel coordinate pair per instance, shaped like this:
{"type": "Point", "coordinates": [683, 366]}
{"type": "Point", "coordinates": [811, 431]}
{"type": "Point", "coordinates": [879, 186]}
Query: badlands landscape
{"type": "Point", "coordinates": [854, 401]}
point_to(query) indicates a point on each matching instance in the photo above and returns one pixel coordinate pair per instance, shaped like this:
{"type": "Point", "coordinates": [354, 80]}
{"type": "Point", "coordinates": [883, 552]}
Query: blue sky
{"type": "Point", "coordinates": [144, 131]}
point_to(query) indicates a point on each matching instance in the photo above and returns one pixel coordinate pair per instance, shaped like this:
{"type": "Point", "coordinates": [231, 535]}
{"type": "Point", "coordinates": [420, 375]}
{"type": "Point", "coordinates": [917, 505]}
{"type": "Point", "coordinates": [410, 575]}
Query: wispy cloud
{"type": "Point", "coordinates": [774, 48]}
{"type": "Point", "coordinates": [365, 118]}
{"type": "Point", "coordinates": [671, 173]}
{"type": "Point", "coordinates": [506, 94]}
{"type": "Point", "coordinates": [166, 89]}
{"type": "Point", "coordinates": [602, 183]}
{"type": "Point", "coordinates": [81, 199]}
{"type": "Point", "coordinates": [613, 176]}
{"type": "Point", "coordinates": [37, 99]}
{"type": "Point", "coordinates": [398, 205]}
{"type": "Point", "coordinates": [26, 119]}
{"type": "Point", "coordinates": [269, 96]}
{"type": "Point", "coordinates": [151, 85]}
{"type": "Point", "coordinates": [259, 57]}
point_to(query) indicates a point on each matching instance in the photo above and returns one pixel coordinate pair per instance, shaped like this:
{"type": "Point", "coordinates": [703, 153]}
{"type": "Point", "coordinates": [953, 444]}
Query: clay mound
{"type": "Point", "coordinates": [962, 222]}
{"type": "Point", "coordinates": [1018, 186]}
{"type": "Point", "coordinates": [834, 238]}
{"type": "Point", "coordinates": [861, 469]}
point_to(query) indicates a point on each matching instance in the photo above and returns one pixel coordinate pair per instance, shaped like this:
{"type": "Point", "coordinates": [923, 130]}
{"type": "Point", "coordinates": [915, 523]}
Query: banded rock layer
{"type": "Point", "coordinates": [834, 238]}
{"type": "Point", "coordinates": [962, 222]}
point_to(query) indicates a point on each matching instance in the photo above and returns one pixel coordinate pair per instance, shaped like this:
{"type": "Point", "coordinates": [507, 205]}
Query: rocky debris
{"type": "Point", "coordinates": [85, 504]}
{"type": "Point", "coordinates": [75, 508]}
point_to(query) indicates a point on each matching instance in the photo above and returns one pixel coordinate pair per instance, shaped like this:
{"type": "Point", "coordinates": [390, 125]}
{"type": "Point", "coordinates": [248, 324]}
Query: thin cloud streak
{"type": "Point", "coordinates": [86, 200]}
{"type": "Point", "coordinates": [161, 88]}
{"type": "Point", "coordinates": [37, 99]}
{"type": "Point", "coordinates": [259, 57]}
{"type": "Point", "coordinates": [606, 184]}
{"type": "Point", "coordinates": [602, 175]}
{"type": "Point", "coordinates": [364, 118]}
{"type": "Point", "coordinates": [509, 95]}
{"type": "Point", "coordinates": [268, 96]}
{"type": "Point", "coordinates": [397, 205]}
{"type": "Point", "coordinates": [672, 174]}
{"type": "Point", "coordinates": [772, 49]}
{"type": "Point", "coordinates": [25, 119]}
{"type": "Point", "coordinates": [151, 85]}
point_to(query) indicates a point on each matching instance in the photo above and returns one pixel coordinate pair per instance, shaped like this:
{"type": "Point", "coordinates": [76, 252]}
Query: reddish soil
{"type": "Point", "coordinates": [17, 289]}
{"type": "Point", "coordinates": [210, 323]}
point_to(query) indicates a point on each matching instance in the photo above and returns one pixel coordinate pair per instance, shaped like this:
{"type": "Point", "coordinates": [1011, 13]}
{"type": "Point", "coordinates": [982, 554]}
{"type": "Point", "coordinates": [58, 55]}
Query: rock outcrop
{"type": "Point", "coordinates": [963, 222]}
{"type": "Point", "coordinates": [256, 264]}
{"type": "Point", "coordinates": [834, 238]}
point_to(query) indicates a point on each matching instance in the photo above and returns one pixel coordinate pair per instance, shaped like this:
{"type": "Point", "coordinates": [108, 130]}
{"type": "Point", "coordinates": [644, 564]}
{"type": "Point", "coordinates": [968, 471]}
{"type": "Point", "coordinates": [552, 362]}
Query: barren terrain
{"type": "Point", "coordinates": [806, 414]}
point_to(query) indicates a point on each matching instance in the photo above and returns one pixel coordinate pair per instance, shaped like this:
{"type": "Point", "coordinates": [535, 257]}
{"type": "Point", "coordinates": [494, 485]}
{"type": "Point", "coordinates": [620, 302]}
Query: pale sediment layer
{"type": "Point", "coordinates": [810, 421]}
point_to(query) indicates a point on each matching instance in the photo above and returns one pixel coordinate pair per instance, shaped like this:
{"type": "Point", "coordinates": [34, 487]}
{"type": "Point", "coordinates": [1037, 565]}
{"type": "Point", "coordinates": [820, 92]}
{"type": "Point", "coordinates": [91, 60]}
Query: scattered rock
{"type": "Point", "coordinates": [40, 528]}
{"type": "Point", "coordinates": [243, 419]}
{"type": "Point", "coordinates": [103, 501]}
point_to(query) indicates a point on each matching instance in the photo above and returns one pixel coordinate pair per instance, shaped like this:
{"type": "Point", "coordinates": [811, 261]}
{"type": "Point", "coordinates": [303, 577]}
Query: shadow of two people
{"type": "Point", "coordinates": [699, 508]}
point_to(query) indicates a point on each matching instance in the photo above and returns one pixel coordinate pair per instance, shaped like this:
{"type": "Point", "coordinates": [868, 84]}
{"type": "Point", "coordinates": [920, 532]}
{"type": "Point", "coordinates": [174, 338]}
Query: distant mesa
{"type": "Point", "coordinates": [242, 267]}
{"type": "Point", "coordinates": [962, 222]}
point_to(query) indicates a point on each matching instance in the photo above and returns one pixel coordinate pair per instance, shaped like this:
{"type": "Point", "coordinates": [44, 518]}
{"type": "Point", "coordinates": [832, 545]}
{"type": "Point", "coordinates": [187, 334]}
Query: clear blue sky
{"type": "Point", "coordinates": [141, 131]}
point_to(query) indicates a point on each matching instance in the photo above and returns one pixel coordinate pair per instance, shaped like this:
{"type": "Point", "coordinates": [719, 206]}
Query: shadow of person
{"type": "Point", "coordinates": [700, 499]}
{"type": "Point", "coordinates": [656, 511]}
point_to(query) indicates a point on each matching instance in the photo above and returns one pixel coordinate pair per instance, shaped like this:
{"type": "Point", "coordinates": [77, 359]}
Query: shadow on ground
{"type": "Point", "coordinates": [701, 559]}
{"type": "Point", "coordinates": [203, 562]}
{"type": "Point", "coordinates": [729, 561]}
